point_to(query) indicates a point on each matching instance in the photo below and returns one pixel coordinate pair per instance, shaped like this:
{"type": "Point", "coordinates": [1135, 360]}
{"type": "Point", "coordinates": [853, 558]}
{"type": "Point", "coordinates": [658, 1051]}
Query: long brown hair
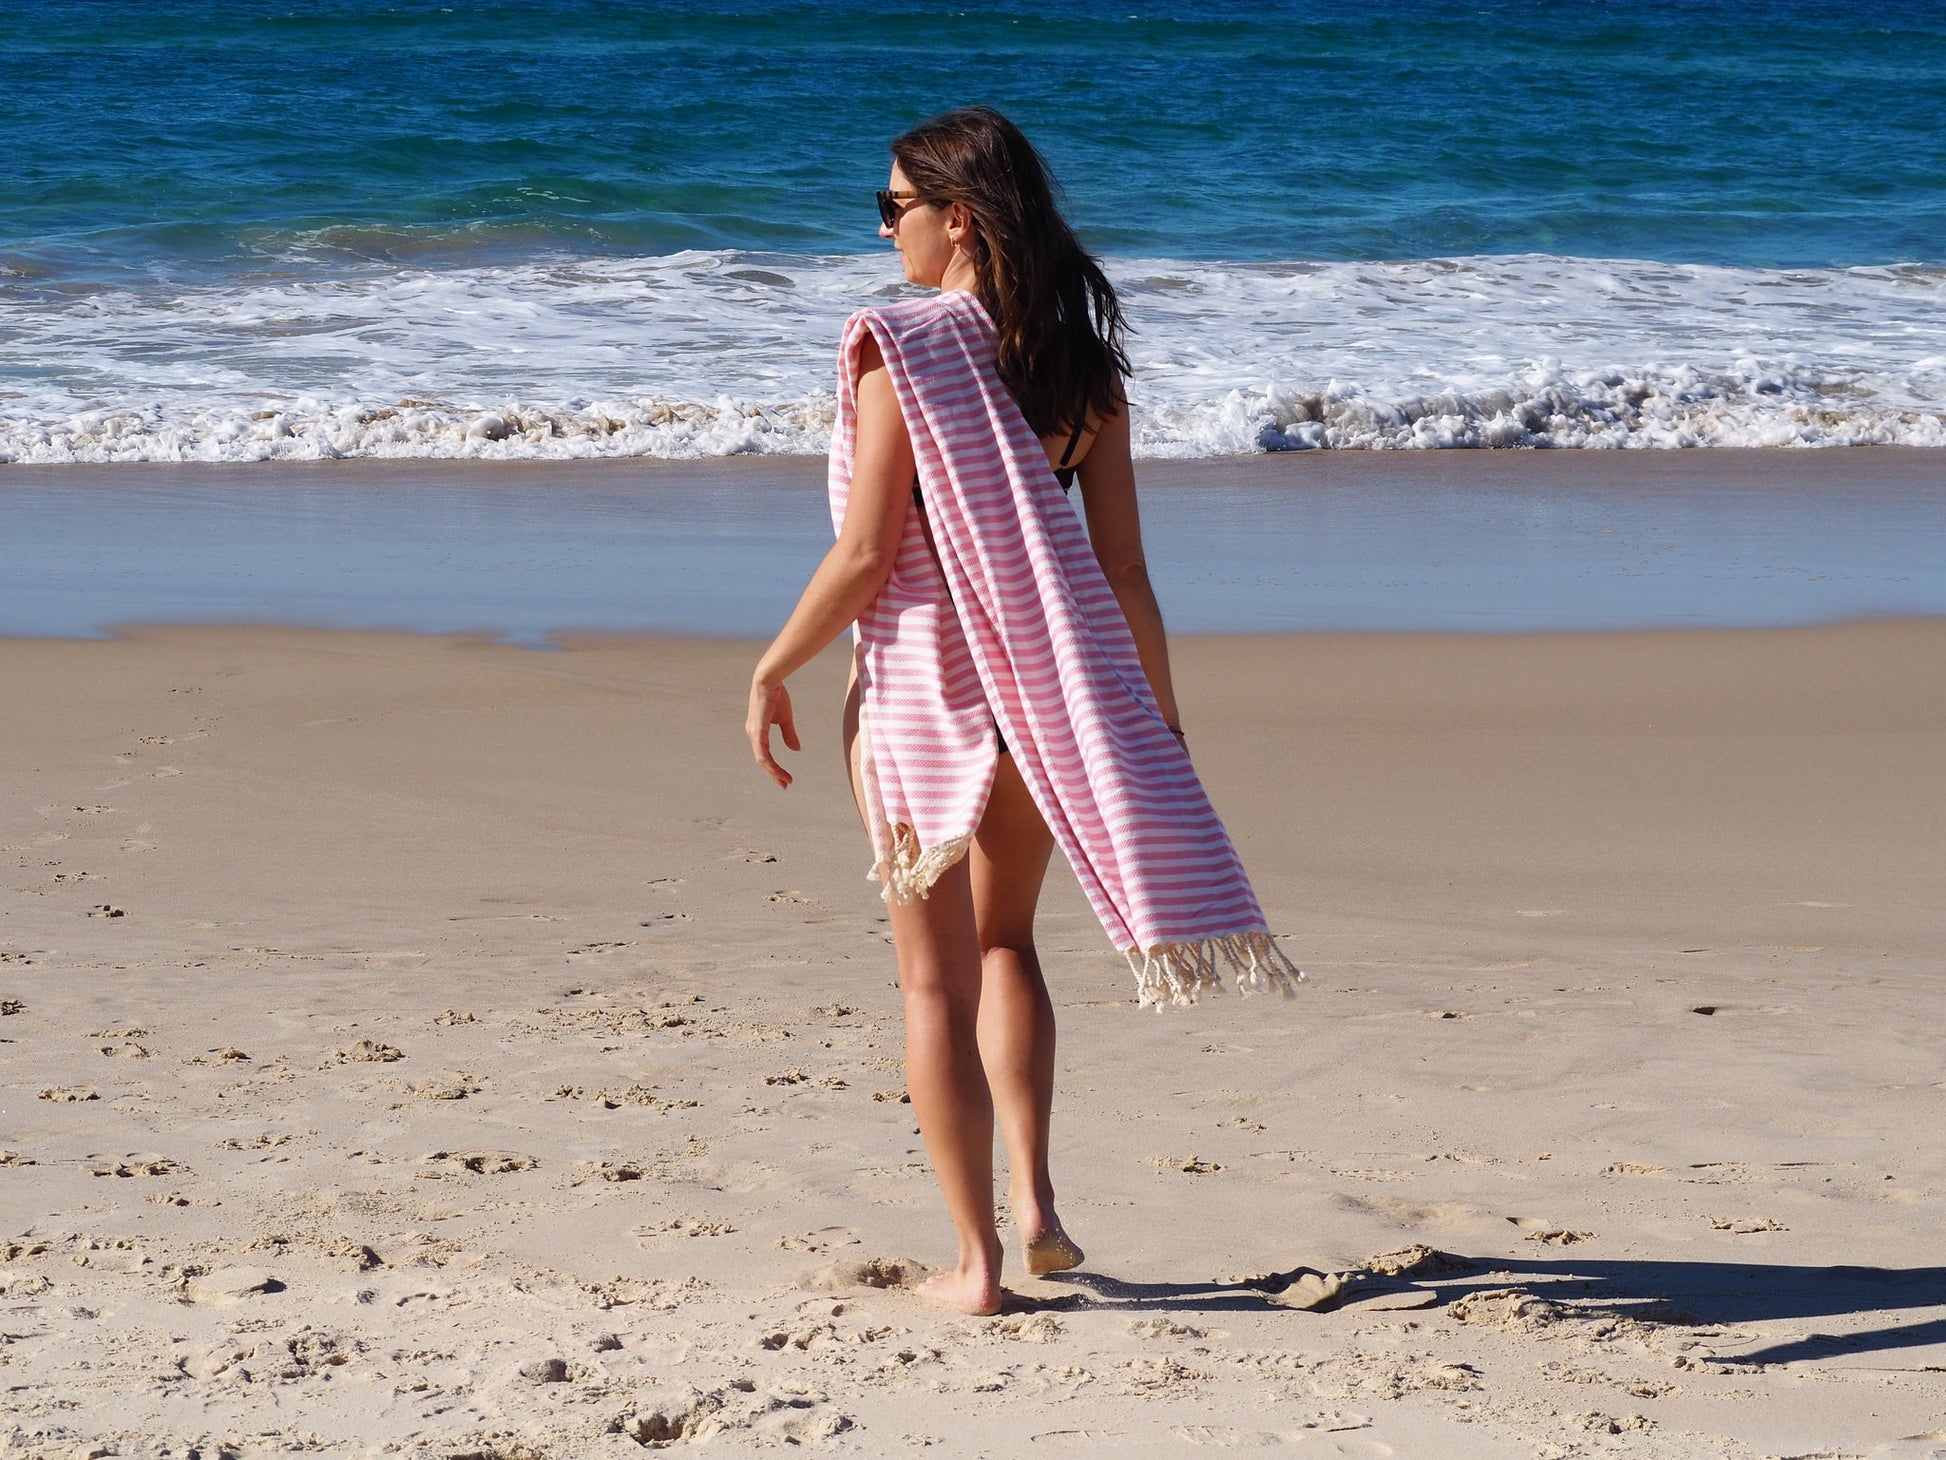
{"type": "Point", "coordinates": [1059, 322]}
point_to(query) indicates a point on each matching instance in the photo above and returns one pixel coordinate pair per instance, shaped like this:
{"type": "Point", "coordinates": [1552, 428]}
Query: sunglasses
{"type": "Point", "coordinates": [889, 211]}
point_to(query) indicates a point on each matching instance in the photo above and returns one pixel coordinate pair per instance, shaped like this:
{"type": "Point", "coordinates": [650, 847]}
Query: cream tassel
{"type": "Point", "coordinates": [1177, 974]}
{"type": "Point", "coordinates": [910, 872]}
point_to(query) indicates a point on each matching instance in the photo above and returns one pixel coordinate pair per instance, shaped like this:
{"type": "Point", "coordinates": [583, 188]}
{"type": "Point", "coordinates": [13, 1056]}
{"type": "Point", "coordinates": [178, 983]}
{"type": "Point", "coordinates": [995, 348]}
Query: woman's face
{"type": "Point", "coordinates": [923, 235]}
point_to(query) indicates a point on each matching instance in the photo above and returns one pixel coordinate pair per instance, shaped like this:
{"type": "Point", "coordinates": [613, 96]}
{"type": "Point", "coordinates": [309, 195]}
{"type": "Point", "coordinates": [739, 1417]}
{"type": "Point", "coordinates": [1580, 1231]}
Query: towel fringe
{"type": "Point", "coordinates": [911, 871]}
{"type": "Point", "coordinates": [1177, 974]}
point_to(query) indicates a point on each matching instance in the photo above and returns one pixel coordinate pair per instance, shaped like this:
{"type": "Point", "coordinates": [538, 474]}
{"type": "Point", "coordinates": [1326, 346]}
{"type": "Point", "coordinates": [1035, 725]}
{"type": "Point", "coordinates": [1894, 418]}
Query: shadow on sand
{"type": "Point", "coordinates": [1690, 1294]}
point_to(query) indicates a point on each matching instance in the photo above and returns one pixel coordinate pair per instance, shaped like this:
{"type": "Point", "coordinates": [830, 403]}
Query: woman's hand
{"type": "Point", "coordinates": [855, 569]}
{"type": "Point", "coordinates": [770, 704]}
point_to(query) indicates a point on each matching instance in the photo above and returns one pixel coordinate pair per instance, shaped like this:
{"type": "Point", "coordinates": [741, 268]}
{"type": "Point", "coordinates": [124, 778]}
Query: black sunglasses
{"type": "Point", "coordinates": [889, 211]}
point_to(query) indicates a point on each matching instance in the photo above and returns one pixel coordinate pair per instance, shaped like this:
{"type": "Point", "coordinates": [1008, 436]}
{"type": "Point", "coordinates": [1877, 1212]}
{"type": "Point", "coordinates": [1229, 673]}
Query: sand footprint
{"type": "Point", "coordinates": [1188, 1165]}
{"type": "Point", "coordinates": [365, 1051]}
{"type": "Point", "coordinates": [1077, 1439]}
{"type": "Point", "coordinates": [1538, 1229]}
{"type": "Point", "coordinates": [1745, 1226]}
{"type": "Point", "coordinates": [1166, 1328]}
{"type": "Point", "coordinates": [268, 1140]}
{"type": "Point", "coordinates": [481, 1163]}
{"type": "Point", "coordinates": [1307, 1291]}
{"type": "Point", "coordinates": [682, 1227]}
{"type": "Point", "coordinates": [883, 1273]}
{"type": "Point", "coordinates": [456, 1085]}
{"type": "Point", "coordinates": [140, 1163]}
{"type": "Point", "coordinates": [1221, 1437]}
{"type": "Point", "coordinates": [822, 1240]}
{"type": "Point", "coordinates": [1418, 1260]}
{"type": "Point", "coordinates": [610, 1171]}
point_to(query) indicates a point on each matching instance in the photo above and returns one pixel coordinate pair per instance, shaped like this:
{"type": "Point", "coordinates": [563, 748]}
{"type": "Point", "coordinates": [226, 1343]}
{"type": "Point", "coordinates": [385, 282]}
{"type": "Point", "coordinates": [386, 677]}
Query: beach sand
{"type": "Point", "coordinates": [424, 1046]}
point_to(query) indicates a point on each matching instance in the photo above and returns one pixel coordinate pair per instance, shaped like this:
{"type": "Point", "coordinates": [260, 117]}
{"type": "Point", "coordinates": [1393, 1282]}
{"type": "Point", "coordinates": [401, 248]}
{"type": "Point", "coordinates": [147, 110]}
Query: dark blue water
{"type": "Point", "coordinates": [208, 135]}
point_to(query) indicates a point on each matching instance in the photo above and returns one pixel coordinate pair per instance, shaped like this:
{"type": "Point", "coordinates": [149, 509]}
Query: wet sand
{"type": "Point", "coordinates": [1475, 541]}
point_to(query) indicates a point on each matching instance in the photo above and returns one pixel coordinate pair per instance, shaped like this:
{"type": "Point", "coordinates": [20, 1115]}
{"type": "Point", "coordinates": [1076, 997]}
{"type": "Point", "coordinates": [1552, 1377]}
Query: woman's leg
{"type": "Point", "coordinates": [939, 975]}
{"type": "Point", "coordinates": [1008, 864]}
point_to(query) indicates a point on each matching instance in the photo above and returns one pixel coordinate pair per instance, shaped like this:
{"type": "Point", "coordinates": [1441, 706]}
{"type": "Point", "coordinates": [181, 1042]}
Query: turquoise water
{"type": "Point", "coordinates": [238, 230]}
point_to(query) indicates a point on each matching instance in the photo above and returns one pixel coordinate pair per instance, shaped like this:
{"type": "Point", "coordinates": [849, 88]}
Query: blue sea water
{"type": "Point", "coordinates": [235, 230]}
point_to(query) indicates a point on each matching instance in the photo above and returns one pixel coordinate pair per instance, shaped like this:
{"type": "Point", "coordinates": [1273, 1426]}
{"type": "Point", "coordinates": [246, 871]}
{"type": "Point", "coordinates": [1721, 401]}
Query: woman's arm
{"type": "Point", "coordinates": [855, 569]}
{"type": "Point", "coordinates": [1115, 529]}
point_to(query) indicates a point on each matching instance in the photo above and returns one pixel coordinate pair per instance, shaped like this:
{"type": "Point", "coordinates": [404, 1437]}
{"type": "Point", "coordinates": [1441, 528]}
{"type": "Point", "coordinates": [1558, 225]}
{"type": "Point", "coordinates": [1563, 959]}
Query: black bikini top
{"type": "Point", "coordinates": [1064, 474]}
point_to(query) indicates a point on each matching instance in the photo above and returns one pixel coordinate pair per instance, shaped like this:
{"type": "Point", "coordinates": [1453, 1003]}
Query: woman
{"type": "Point", "coordinates": [1011, 686]}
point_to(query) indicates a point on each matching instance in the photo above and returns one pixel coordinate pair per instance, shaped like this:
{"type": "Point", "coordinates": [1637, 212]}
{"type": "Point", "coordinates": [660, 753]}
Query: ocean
{"type": "Point", "coordinates": [245, 232]}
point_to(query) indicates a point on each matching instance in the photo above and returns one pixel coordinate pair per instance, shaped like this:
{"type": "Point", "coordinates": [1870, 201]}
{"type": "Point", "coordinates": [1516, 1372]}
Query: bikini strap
{"type": "Point", "coordinates": [1080, 425]}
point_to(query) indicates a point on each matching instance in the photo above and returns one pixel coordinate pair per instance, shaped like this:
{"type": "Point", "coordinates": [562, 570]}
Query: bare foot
{"type": "Point", "coordinates": [1052, 1251]}
{"type": "Point", "coordinates": [972, 1292]}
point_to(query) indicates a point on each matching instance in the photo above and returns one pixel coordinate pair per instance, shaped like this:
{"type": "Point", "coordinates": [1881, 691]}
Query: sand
{"type": "Point", "coordinates": [429, 1047]}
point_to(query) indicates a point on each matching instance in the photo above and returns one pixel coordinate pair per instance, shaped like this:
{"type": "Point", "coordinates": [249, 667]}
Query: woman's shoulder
{"type": "Point", "coordinates": [909, 318]}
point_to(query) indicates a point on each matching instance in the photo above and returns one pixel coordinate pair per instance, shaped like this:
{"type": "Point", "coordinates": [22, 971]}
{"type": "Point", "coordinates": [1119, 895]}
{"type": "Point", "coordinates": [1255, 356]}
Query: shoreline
{"type": "Point", "coordinates": [1919, 459]}
{"type": "Point", "coordinates": [1489, 542]}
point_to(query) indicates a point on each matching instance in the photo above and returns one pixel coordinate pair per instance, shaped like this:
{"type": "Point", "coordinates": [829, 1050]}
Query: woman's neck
{"type": "Point", "coordinates": [960, 275]}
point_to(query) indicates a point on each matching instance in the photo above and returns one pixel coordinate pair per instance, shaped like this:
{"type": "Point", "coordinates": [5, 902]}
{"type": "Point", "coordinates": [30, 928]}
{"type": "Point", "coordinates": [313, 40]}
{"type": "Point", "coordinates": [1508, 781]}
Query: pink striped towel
{"type": "Point", "coordinates": [1014, 624]}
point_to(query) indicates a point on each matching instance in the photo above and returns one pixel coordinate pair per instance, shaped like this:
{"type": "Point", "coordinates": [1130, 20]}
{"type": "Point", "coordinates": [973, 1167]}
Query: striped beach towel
{"type": "Point", "coordinates": [1012, 623]}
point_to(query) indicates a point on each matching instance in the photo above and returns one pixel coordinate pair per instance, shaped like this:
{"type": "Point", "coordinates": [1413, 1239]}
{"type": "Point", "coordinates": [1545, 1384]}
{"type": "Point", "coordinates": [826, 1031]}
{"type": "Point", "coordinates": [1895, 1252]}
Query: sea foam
{"type": "Point", "coordinates": [717, 353]}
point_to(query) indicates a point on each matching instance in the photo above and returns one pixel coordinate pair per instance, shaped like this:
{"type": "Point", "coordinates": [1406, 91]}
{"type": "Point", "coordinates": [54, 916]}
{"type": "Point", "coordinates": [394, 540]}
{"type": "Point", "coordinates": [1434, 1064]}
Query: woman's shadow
{"type": "Point", "coordinates": [1680, 1293]}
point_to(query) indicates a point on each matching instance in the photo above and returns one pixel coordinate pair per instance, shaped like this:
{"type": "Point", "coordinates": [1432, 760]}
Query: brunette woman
{"type": "Point", "coordinates": [1011, 671]}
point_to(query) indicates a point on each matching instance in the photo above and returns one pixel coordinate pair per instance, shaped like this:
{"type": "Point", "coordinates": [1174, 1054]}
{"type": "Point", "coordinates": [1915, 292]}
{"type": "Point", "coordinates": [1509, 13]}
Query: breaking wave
{"type": "Point", "coordinates": [718, 353]}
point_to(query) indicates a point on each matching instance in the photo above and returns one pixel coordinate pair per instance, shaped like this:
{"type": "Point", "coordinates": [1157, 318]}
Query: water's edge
{"type": "Point", "coordinates": [1453, 541]}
